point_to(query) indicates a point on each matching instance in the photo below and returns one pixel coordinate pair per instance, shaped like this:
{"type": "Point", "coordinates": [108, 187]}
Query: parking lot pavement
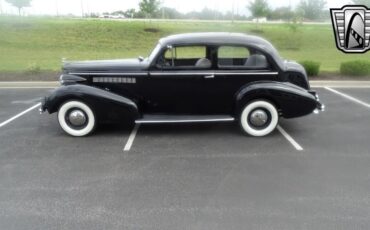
{"type": "Point", "coordinates": [360, 94]}
{"type": "Point", "coordinates": [204, 176]}
{"type": "Point", "coordinates": [14, 101]}
{"type": "Point", "coordinates": [343, 127]}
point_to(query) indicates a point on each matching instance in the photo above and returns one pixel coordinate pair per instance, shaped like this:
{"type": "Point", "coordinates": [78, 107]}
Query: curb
{"type": "Point", "coordinates": [29, 84]}
{"type": "Point", "coordinates": [340, 84]}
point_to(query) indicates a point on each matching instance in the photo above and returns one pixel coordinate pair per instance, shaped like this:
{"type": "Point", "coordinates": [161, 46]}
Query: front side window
{"type": "Point", "coordinates": [186, 52]}
{"type": "Point", "coordinates": [241, 57]}
{"type": "Point", "coordinates": [186, 57]}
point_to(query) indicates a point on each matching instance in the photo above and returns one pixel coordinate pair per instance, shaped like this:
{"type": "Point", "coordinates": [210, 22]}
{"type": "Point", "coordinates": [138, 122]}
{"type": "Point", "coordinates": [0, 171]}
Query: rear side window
{"type": "Point", "coordinates": [240, 57]}
{"type": "Point", "coordinates": [232, 55]}
{"type": "Point", "coordinates": [233, 52]}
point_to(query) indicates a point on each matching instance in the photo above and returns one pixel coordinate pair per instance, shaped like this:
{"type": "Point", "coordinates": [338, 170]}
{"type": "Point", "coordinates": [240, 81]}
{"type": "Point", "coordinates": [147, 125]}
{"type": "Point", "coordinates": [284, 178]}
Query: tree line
{"type": "Point", "coordinates": [311, 10]}
{"type": "Point", "coordinates": [305, 10]}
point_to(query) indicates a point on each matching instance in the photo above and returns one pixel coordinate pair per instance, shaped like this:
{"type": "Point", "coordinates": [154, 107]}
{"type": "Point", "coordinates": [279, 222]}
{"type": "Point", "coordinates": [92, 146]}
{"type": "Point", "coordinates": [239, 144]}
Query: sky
{"type": "Point", "coordinates": [50, 7]}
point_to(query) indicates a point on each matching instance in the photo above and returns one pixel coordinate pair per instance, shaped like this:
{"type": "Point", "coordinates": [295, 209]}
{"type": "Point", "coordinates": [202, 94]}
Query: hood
{"type": "Point", "coordinates": [106, 65]}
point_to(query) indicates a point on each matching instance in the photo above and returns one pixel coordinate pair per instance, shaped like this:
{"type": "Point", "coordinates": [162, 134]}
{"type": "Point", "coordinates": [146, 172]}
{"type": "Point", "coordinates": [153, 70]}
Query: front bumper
{"type": "Point", "coordinates": [43, 108]}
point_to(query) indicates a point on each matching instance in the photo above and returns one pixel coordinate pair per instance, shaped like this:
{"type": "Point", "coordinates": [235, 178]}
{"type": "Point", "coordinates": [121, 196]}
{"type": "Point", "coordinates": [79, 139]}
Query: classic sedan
{"type": "Point", "coordinates": [195, 77]}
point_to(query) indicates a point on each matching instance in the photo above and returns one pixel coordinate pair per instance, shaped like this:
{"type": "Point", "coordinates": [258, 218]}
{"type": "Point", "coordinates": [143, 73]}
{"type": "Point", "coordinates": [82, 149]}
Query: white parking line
{"type": "Point", "coordinates": [131, 139]}
{"type": "Point", "coordinates": [348, 97]}
{"type": "Point", "coordinates": [289, 138]}
{"type": "Point", "coordinates": [19, 115]}
{"type": "Point", "coordinates": [25, 87]}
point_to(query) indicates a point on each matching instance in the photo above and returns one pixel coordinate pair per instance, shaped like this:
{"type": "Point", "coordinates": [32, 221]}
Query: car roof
{"type": "Point", "coordinates": [215, 38]}
{"type": "Point", "coordinates": [223, 38]}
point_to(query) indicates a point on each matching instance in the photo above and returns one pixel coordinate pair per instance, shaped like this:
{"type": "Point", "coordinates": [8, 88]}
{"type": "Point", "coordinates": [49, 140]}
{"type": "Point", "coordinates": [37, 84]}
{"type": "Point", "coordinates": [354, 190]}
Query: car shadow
{"type": "Point", "coordinates": [113, 129]}
{"type": "Point", "coordinates": [178, 129]}
{"type": "Point", "coordinates": [191, 129]}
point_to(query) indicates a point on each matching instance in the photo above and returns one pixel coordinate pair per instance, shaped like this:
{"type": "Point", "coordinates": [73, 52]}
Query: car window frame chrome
{"type": "Point", "coordinates": [210, 72]}
{"type": "Point", "coordinates": [273, 59]}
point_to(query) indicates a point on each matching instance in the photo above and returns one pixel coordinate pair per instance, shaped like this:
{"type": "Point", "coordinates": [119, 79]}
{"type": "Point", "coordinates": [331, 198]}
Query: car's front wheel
{"type": "Point", "coordinates": [76, 118]}
{"type": "Point", "coordinates": [259, 118]}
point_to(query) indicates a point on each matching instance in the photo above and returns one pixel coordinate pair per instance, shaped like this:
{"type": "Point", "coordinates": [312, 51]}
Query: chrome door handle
{"type": "Point", "coordinates": [209, 76]}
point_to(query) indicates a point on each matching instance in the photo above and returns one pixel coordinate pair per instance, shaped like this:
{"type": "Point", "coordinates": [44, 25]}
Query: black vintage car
{"type": "Point", "coordinates": [196, 77]}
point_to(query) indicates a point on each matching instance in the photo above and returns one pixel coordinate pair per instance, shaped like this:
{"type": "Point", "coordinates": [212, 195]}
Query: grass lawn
{"type": "Point", "coordinates": [28, 44]}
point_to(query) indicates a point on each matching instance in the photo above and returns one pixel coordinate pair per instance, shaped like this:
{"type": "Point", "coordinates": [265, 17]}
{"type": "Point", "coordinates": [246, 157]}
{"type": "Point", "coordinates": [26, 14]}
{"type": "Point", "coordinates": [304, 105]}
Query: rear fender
{"type": "Point", "coordinates": [106, 105]}
{"type": "Point", "coordinates": [290, 100]}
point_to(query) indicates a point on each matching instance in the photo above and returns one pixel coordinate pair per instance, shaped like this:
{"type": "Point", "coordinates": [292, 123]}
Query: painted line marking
{"type": "Point", "coordinates": [348, 97]}
{"type": "Point", "coordinates": [289, 138]}
{"type": "Point", "coordinates": [342, 86]}
{"type": "Point", "coordinates": [19, 115]}
{"type": "Point", "coordinates": [131, 139]}
{"type": "Point", "coordinates": [26, 87]}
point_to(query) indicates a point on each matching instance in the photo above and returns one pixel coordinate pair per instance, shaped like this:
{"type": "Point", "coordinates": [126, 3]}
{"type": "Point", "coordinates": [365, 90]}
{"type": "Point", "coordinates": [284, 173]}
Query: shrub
{"type": "Point", "coordinates": [312, 67]}
{"type": "Point", "coordinates": [355, 68]}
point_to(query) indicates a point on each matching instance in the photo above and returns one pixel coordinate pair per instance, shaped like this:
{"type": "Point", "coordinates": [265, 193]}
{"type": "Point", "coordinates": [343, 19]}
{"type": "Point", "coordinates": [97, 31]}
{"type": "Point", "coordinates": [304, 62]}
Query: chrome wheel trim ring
{"type": "Point", "coordinates": [268, 127]}
{"type": "Point", "coordinates": [258, 118]}
{"type": "Point", "coordinates": [77, 118]}
{"type": "Point", "coordinates": [63, 114]}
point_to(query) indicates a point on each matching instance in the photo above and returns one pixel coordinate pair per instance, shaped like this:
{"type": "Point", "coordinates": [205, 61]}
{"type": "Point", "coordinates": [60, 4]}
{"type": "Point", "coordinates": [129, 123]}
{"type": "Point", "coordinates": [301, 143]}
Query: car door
{"type": "Point", "coordinates": [235, 67]}
{"type": "Point", "coordinates": [174, 82]}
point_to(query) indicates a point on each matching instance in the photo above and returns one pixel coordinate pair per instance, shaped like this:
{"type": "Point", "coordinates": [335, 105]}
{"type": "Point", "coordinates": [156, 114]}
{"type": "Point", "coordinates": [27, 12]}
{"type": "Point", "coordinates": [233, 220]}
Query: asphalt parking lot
{"type": "Point", "coordinates": [313, 173]}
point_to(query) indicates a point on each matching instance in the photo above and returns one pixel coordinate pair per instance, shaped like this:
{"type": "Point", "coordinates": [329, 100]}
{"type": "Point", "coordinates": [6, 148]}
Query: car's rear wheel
{"type": "Point", "coordinates": [259, 118]}
{"type": "Point", "coordinates": [76, 118]}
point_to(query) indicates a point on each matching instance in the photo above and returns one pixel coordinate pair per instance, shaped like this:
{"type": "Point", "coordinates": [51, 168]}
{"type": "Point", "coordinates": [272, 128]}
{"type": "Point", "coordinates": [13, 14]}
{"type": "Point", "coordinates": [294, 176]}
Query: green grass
{"type": "Point", "coordinates": [26, 43]}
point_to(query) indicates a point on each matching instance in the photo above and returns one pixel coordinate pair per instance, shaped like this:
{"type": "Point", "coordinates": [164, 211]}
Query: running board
{"type": "Point", "coordinates": [156, 119]}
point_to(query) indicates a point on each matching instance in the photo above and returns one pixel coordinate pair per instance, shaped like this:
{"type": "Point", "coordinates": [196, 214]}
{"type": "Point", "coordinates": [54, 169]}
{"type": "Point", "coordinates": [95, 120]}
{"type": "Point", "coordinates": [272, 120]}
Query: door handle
{"type": "Point", "coordinates": [209, 76]}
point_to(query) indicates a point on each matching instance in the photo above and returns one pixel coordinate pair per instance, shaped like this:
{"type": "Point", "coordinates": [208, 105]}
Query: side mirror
{"type": "Point", "coordinates": [141, 58]}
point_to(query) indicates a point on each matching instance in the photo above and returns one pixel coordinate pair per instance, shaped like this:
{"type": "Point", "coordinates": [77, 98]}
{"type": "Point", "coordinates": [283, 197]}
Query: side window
{"type": "Point", "coordinates": [241, 57]}
{"type": "Point", "coordinates": [187, 57]}
{"type": "Point", "coordinates": [232, 55]}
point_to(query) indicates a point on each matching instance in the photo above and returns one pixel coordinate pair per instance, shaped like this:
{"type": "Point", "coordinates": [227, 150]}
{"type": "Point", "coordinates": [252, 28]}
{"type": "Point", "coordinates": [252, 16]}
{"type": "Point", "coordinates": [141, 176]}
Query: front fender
{"type": "Point", "coordinates": [105, 104]}
{"type": "Point", "coordinates": [291, 100]}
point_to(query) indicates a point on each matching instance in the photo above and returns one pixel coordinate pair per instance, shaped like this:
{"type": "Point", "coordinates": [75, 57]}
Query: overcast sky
{"type": "Point", "coordinates": [98, 6]}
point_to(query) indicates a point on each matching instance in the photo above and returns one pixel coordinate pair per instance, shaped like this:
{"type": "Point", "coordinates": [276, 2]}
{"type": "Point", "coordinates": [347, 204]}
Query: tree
{"type": "Point", "coordinates": [20, 4]}
{"type": "Point", "coordinates": [170, 13]}
{"type": "Point", "coordinates": [362, 2]}
{"type": "Point", "coordinates": [259, 8]}
{"type": "Point", "coordinates": [312, 9]}
{"type": "Point", "coordinates": [281, 13]}
{"type": "Point", "coordinates": [149, 7]}
{"type": "Point", "coordinates": [130, 13]}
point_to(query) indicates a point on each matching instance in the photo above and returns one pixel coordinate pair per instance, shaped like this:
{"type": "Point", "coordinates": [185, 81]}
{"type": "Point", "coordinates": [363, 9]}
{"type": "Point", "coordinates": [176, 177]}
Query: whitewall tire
{"type": "Point", "coordinates": [259, 118]}
{"type": "Point", "coordinates": [76, 118]}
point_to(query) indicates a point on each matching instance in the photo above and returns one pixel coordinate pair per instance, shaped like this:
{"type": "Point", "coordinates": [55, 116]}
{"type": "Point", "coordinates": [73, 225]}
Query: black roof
{"type": "Point", "coordinates": [223, 38]}
{"type": "Point", "coordinates": [215, 38]}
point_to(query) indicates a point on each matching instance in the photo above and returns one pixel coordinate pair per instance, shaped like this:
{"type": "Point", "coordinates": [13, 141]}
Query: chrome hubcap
{"type": "Point", "coordinates": [258, 117]}
{"type": "Point", "coordinates": [77, 118]}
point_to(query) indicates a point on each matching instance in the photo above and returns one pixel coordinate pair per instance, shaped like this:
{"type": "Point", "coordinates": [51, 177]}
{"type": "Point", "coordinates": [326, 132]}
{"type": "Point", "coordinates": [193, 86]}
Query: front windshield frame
{"type": "Point", "coordinates": [154, 52]}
